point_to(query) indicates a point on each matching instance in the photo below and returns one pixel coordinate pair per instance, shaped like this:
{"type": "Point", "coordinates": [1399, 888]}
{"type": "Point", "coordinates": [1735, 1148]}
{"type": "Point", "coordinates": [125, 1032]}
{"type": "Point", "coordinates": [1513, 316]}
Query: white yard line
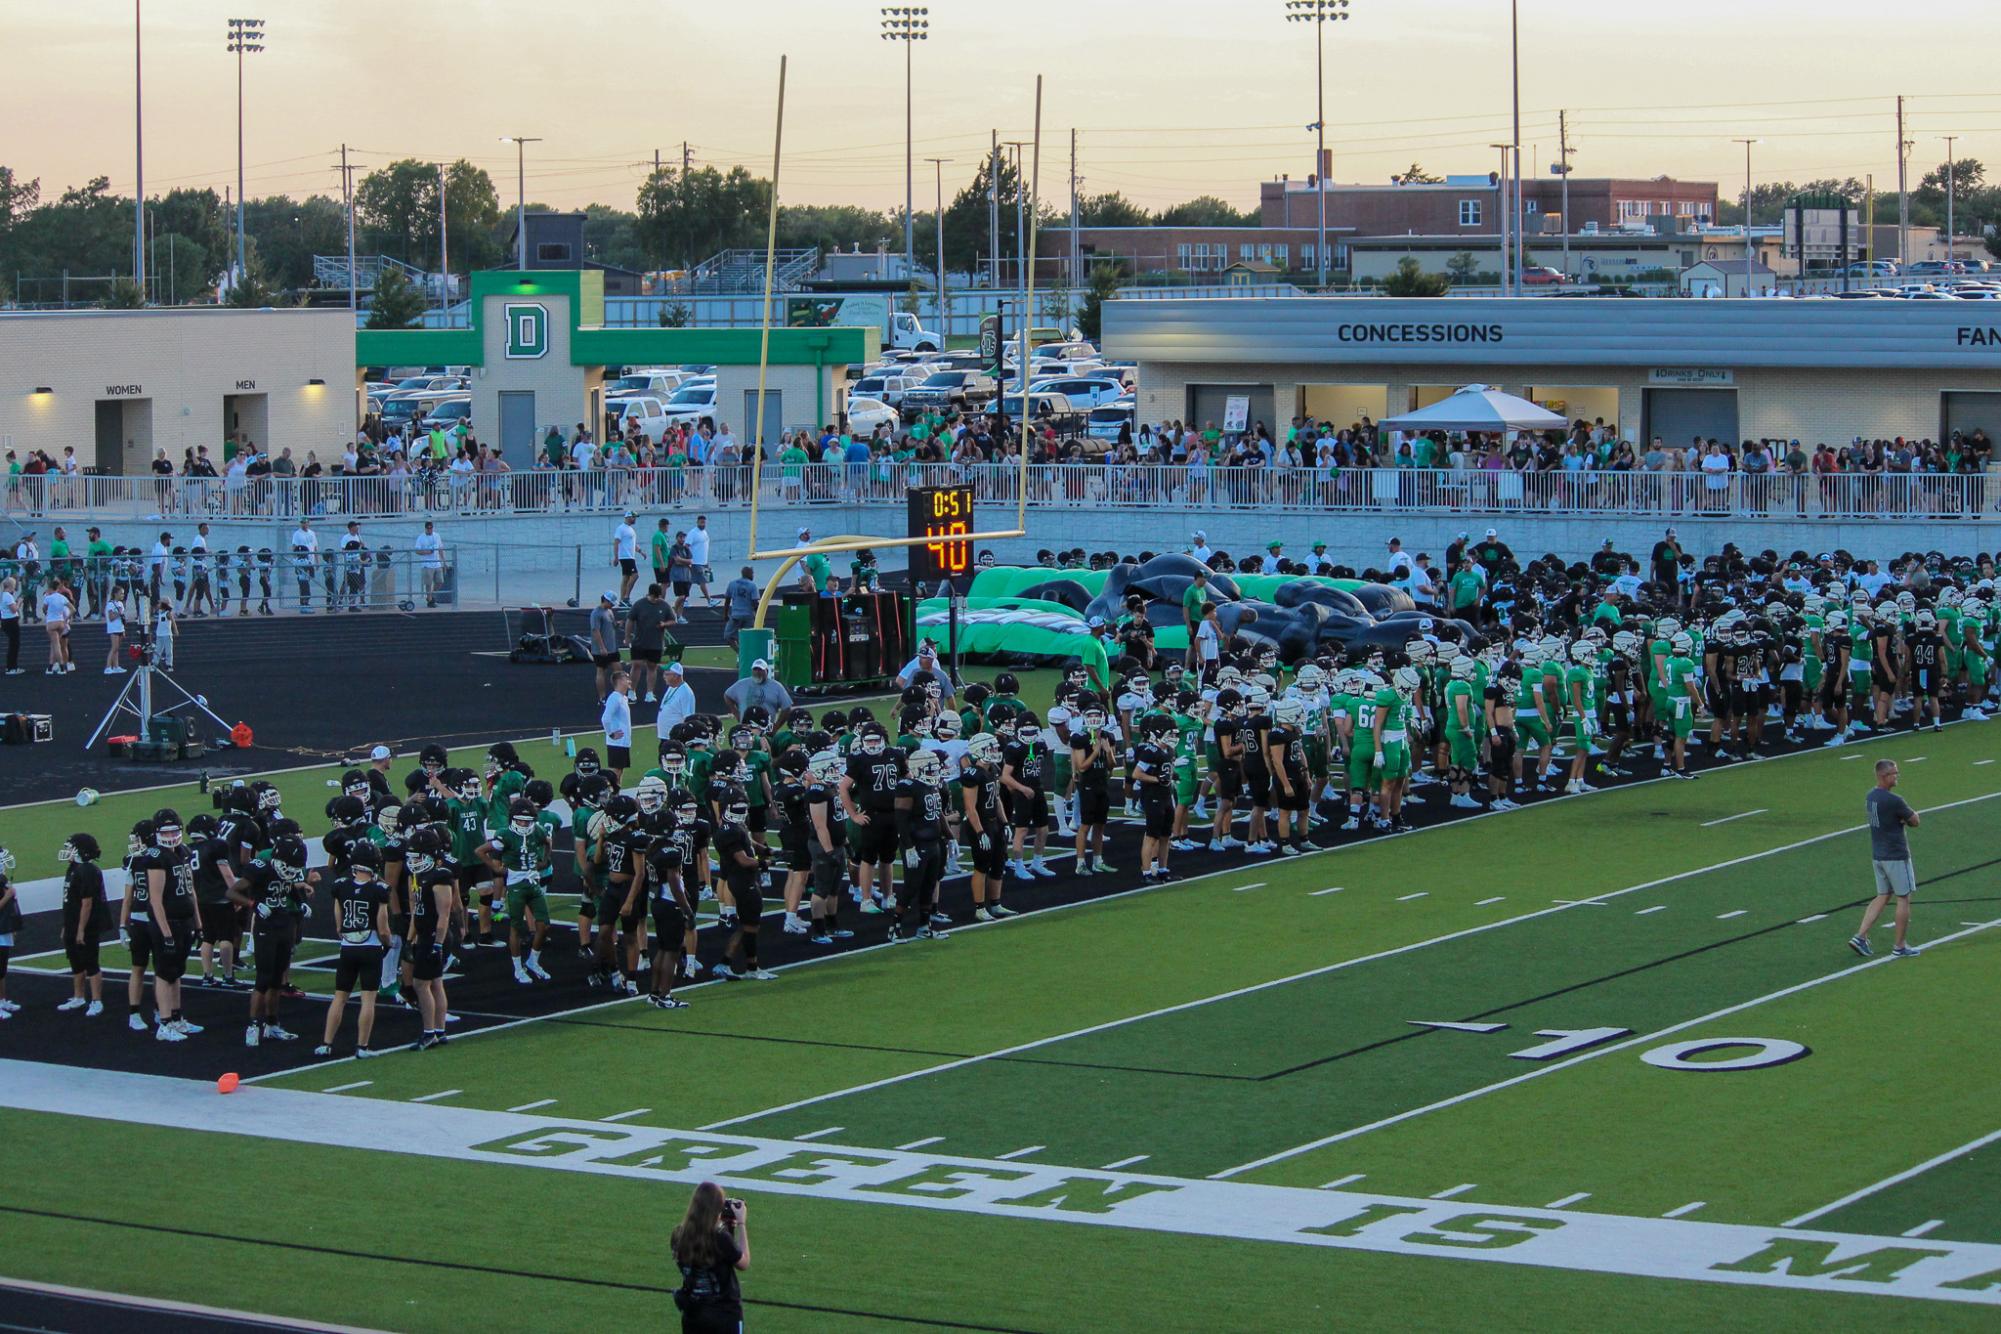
{"type": "Point", "coordinates": [1311, 894]}
{"type": "Point", "coordinates": [433, 1097]}
{"type": "Point", "coordinates": [1741, 815]}
{"type": "Point", "coordinates": [1978, 763]}
{"type": "Point", "coordinates": [1658, 907]}
{"type": "Point", "coordinates": [1498, 898]}
{"type": "Point", "coordinates": [1685, 1209]}
{"type": "Point", "coordinates": [531, 1106]}
{"type": "Point", "coordinates": [349, 1088]}
{"type": "Point", "coordinates": [1127, 1162]}
{"type": "Point", "coordinates": [1348, 1180]}
{"type": "Point", "coordinates": [1255, 884]}
{"type": "Point", "coordinates": [1734, 912]}
{"type": "Point", "coordinates": [1406, 898]}
{"type": "Point", "coordinates": [821, 1132]}
{"type": "Point", "coordinates": [1594, 1054]}
{"type": "Point", "coordinates": [1889, 1181]}
{"type": "Point", "coordinates": [1256, 987]}
{"type": "Point", "coordinates": [1455, 1191]}
{"type": "Point", "coordinates": [920, 1143]}
{"type": "Point", "coordinates": [1922, 1228]}
{"type": "Point", "coordinates": [626, 1116]}
{"type": "Point", "coordinates": [1817, 917]}
{"type": "Point", "coordinates": [1568, 1200]}
{"type": "Point", "coordinates": [1021, 1153]}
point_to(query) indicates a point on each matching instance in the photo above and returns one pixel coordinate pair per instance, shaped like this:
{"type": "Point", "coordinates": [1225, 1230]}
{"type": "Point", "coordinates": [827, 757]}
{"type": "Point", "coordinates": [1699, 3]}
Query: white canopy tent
{"type": "Point", "coordinates": [1477, 407]}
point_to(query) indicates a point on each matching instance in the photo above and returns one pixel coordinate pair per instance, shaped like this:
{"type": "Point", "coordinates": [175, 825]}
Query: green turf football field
{"type": "Point", "coordinates": [1619, 1022]}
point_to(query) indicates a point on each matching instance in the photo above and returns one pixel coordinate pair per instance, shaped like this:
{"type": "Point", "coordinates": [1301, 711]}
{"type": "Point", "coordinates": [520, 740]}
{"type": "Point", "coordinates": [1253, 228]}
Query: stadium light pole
{"type": "Point", "coordinates": [944, 315]}
{"type": "Point", "coordinates": [1319, 13]}
{"type": "Point", "coordinates": [138, 151]}
{"type": "Point", "coordinates": [246, 37]}
{"type": "Point", "coordinates": [907, 24]}
{"type": "Point", "coordinates": [520, 143]}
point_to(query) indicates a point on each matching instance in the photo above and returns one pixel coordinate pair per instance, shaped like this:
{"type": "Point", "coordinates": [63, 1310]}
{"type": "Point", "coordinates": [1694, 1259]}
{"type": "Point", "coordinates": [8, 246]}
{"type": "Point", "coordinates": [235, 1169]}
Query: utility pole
{"type": "Point", "coordinates": [687, 159]}
{"type": "Point", "coordinates": [1563, 167]}
{"type": "Point", "coordinates": [656, 162]}
{"type": "Point", "coordinates": [138, 154]}
{"type": "Point", "coordinates": [1747, 212]}
{"type": "Point", "coordinates": [1021, 256]}
{"type": "Point", "coordinates": [944, 310]}
{"type": "Point", "coordinates": [444, 250]}
{"type": "Point", "coordinates": [347, 201]}
{"type": "Point", "coordinates": [1948, 196]}
{"type": "Point", "coordinates": [520, 196]}
{"type": "Point", "coordinates": [1903, 196]}
{"type": "Point", "coordinates": [1501, 214]}
{"type": "Point", "coordinates": [993, 208]}
{"type": "Point", "coordinates": [1076, 251]}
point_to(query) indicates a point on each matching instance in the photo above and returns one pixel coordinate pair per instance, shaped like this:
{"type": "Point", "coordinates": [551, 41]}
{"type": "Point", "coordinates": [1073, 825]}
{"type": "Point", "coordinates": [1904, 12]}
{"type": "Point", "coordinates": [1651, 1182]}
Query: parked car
{"type": "Point", "coordinates": [1873, 268]}
{"type": "Point", "coordinates": [1083, 390]}
{"type": "Point", "coordinates": [449, 412]}
{"type": "Point", "coordinates": [1063, 351]}
{"type": "Point", "coordinates": [889, 389]}
{"type": "Point", "coordinates": [691, 403]}
{"type": "Point", "coordinates": [951, 389]}
{"type": "Point", "coordinates": [1107, 420]}
{"type": "Point", "coordinates": [660, 384]}
{"type": "Point", "coordinates": [1043, 408]}
{"type": "Point", "coordinates": [1541, 275]}
{"type": "Point", "coordinates": [865, 414]}
{"type": "Point", "coordinates": [410, 408]}
{"type": "Point", "coordinates": [636, 414]}
{"type": "Point", "coordinates": [1932, 268]}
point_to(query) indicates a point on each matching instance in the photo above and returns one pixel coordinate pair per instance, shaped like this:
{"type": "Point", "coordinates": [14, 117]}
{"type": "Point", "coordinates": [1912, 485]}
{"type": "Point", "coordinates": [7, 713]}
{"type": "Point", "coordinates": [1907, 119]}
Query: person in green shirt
{"type": "Point", "coordinates": [1463, 591]}
{"type": "Point", "coordinates": [1683, 701]}
{"type": "Point", "coordinates": [552, 448]}
{"type": "Point", "coordinates": [1390, 725]}
{"type": "Point", "coordinates": [1535, 716]}
{"type": "Point", "coordinates": [863, 577]}
{"type": "Point", "coordinates": [1192, 601]}
{"type": "Point", "coordinates": [1462, 731]}
{"type": "Point", "coordinates": [1577, 691]}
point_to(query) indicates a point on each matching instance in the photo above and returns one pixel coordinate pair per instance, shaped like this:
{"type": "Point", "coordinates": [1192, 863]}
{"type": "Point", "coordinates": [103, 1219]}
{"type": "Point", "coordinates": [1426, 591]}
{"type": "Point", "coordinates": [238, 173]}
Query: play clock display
{"type": "Point", "coordinates": [941, 517]}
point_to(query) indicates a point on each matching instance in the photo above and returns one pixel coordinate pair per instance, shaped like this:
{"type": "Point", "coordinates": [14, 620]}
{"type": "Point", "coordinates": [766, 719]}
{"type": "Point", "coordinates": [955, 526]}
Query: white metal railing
{"type": "Point", "coordinates": [1092, 485]}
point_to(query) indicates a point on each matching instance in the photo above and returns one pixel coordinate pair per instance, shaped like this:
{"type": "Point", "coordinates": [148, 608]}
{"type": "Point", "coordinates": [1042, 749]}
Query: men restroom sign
{"type": "Point", "coordinates": [527, 331]}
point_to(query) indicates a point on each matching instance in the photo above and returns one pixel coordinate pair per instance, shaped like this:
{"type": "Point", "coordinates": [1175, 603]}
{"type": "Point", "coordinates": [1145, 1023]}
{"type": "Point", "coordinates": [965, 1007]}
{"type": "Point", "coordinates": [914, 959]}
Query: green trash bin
{"type": "Point", "coordinates": [793, 663]}
{"type": "Point", "coordinates": [751, 645]}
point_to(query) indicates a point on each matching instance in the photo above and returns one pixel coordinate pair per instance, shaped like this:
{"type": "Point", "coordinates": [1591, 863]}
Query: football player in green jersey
{"type": "Point", "coordinates": [517, 853]}
{"type": "Point", "coordinates": [1535, 714]}
{"type": "Point", "coordinates": [1391, 731]}
{"type": "Point", "coordinates": [1577, 686]}
{"type": "Point", "coordinates": [1684, 700]}
{"type": "Point", "coordinates": [1462, 731]}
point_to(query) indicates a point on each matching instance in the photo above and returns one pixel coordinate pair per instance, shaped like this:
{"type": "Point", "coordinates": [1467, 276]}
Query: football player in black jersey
{"type": "Point", "coordinates": [618, 847]}
{"type": "Point", "coordinates": [1153, 775]}
{"type": "Point", "coordinates": [691, 834]}
{"type": "Point", "coordinates": [1024, 771]}
{"type": "Point", "coordinates": [86, 918]}
{"type": "Point", "coordinates": [743, 860]}
{"type": "Point", "coordinates": [170, 887]}
{"type": "Point", "coordinates": [431, 762]}
{"type": "Point", "coordinates": [825, 841]}
{"type": "Point", "coordinates": [982, 823]}
{"type": "Point", "coordinates": [920, 829]}
{"type": "Point", "coordinates": [673, 911]}
{"type": "Point", "coordinates": [1227, 771]}
{"type": "Point", "coordinates": [1924, 651]}
{"type": "Point", "coordinates": [1092, 759]}
{"type": "Point", "coordinates": [793, 832]}
{"type": "Point", "coordinates": [433, 895]}
{"type": "Point", "coordinates": [135, 921]}
{"type": "Point", "coordinates": [868, 799]}
{"type": "Point", "coordinates": [276, 892]}
{"type": "Point", "coordinates": [361, 924]}
{"type": "Point", "coordinates": [214, 874]}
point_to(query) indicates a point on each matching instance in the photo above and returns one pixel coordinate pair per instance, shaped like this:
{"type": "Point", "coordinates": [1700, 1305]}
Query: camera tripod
{"type": "Point", "coordinates": [136, 699]}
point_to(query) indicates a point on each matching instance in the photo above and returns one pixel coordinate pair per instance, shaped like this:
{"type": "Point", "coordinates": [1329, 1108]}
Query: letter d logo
{"type": "Point", "coordinates": [527, 331]}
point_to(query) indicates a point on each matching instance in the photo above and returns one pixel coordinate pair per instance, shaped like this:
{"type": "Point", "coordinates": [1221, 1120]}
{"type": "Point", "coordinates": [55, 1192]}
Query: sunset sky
{"type": "Point", "coordinates": [1170, 98]}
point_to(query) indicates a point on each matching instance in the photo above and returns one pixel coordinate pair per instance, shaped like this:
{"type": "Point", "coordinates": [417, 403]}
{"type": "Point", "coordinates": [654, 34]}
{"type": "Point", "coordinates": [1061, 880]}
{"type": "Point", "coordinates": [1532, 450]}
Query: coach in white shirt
{"type": "Point", "coordinates": [625, 555]}
{"type": "Point", "coordinates": [698, 554]}
{"type": "Point", "coordinates": [677, 700]}
{"type": "Point", "coordinates": [617, 723]}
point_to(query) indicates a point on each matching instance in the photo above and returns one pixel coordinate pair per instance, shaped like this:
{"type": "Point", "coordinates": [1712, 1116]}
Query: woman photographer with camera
{"type": "Point", "coordinates": [712, 1246]}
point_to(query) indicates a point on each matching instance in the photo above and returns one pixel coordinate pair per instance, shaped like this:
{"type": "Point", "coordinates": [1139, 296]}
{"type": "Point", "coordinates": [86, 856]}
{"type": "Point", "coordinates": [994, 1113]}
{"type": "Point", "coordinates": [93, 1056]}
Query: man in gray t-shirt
{"type": "Point", "coordinates": [1890, 855]}
{"type": "Point", "coordinates": [604, 641]}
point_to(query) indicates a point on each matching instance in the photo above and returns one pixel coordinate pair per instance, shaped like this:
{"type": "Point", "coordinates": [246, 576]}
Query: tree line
{"type": "Point", "coordinates": [678, 218]}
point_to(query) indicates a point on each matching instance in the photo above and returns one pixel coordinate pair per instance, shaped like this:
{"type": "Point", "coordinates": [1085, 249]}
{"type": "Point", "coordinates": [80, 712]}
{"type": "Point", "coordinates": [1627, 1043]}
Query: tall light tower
{"type": "Point", "coordinates": [908, 24]}
{"type": "Point", "coordinates": [1748, 144]}
{"type": "Point", "coordinates": [1319, 13]}
{"type": "Point", "coordinates": [520, 143]}
{"type": "Point", "coordinates": [246, 37]}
